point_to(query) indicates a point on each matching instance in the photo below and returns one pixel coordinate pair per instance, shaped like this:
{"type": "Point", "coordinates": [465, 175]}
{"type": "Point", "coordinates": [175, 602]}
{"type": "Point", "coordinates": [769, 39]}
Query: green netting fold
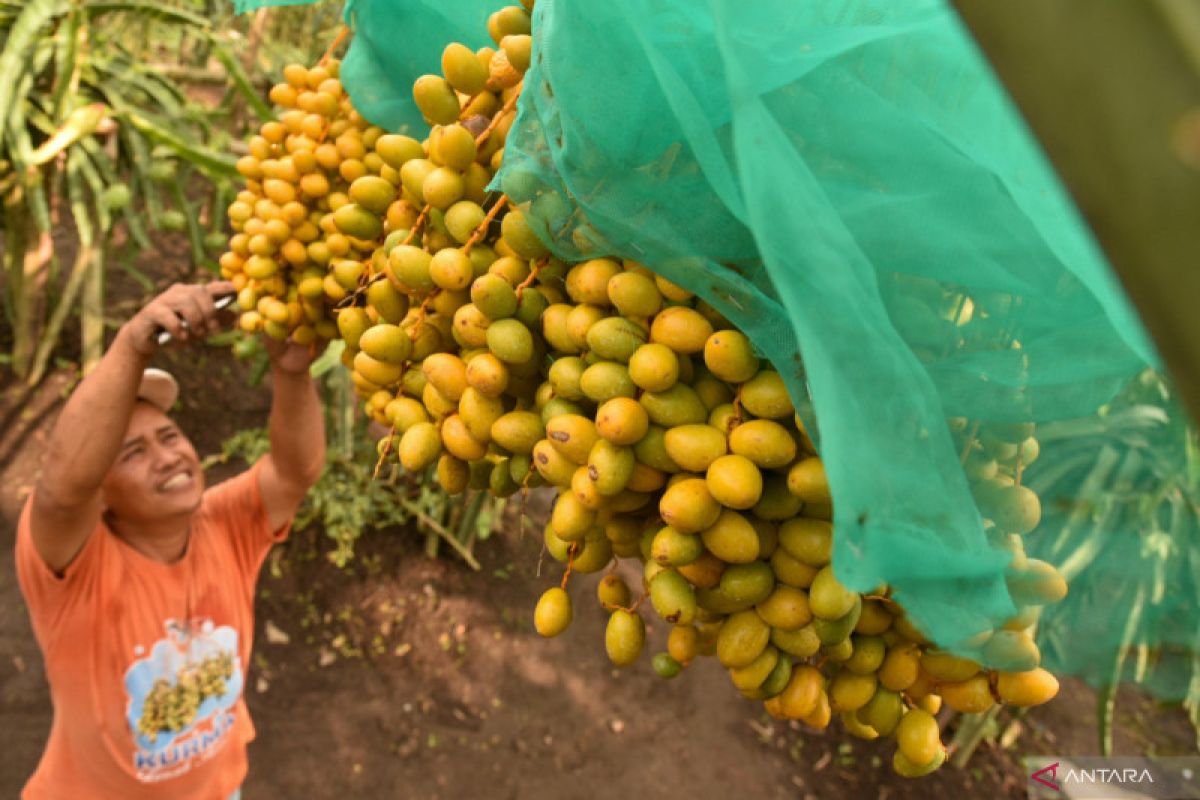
{"type": "Point", "coordinates": [394, 43]}
{"type": "Point", "coordinates": [847, 183]}
{"type": "Point", "coordinates": [397, 41]}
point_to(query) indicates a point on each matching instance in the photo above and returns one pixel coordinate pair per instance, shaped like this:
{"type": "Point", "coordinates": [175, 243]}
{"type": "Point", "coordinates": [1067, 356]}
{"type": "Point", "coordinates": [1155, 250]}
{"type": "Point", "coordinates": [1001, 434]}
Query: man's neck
{"type": "Point", "coordinates": [163, 540]}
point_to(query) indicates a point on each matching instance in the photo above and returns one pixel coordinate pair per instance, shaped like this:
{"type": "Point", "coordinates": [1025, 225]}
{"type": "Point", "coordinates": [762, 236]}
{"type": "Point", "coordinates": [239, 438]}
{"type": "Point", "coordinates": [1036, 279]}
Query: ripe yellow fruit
{"type": "Point", "coordinates": [510, 341]}
{"type": "Point", "coordinates": [809, 541]}
{"type": "Point", "coordinates": [613, 592]}
{"type": "Point", "coordinates": [765, 442]}
{"type": "Point", "coordinates": [436, 99]}
{"type": "Point", "coordinates": [378, 372]}
{"type": "Point", "coordinates": [918, 738]}
{"type": "Point", "coordinates": [688, 507]}
{"type": "Point", "coordinates": [634, 294]}
{"type": "Point", "coordinates": [850, 691]}
{"type": "Point", "coordinates": [682, 329]}
{"type": "Point", "coordinates": [754, 674]}
{"type": "Point", "coordinates": [622, 420]}
{"type": "Point", "coordinates": [420, 446]}
{"type": "Point", "coordinates": [742, 638]}
{"type": "Point", "coordinates": [615, 338]}
{"type": "Point", "coordinates": [610, 466]}
{"type": "Point", "coordinates": [683, 643]}
{"type": "Point", "coordinates": [624, 637]}
{"type": "Point", "coordinates": [387, 343]}
{"type": "Point", "coordinates": [678, 405]}
{"type": "Point", "coordinates": [734, 480]}
{"type": "Point", "coordinates": [457, 439]}
{"type": "Point", "coordinates": [356, 221]}
{"type": "Point", "coordinates": [553, 613]}
{"type": "Point", "coordinates": [806, 479]}
{"type": "Point", "coordinates": [462, 69]}
{"type": "Point", "coordinates": [972, 696]}
{"type": "Point", "coordinates": [572, 435]}
{"type": "Point", "coordinates": [373, 194]}
{"type": "Point", "coordinates": [945, 666]}
{"type": "Point", "coordinates": [765, 395]}
{"type": "Point", "coordinates": [1030, 688]}
{"type": "Point", "coordinates": [802, 695]}
{"type": "Point", "coordinates": [801, 643]}
{"type": "Point", "coordinates": [451, 269]}
{"type": "Point", "coordinates": [673, 598]}
{"type": "Point", "coordinates": [517, 431]}
{"type": "Point", "coordinates": [570, 519]}
{"type": "Point", "coordinates": [588, 282]}
{"type": "Point", "coordinates": [654, 367]}
{"type": "Point", "coordinates": [828, 598]}
{"type": "Point", "coordinates": [731, 537]}
{"type": "Point", "coordinates": [1011, 651]}
{"type": "Point", "coordinates": [729, 355]}
{"type": "Point", "coordinates": [786, 608]}
{"type": "Point", "coordinates": [1036, 583]}
{"type": "Point", "coordinates": [907, 769]}
{"type": "Point", "coordinates": [694, 447]}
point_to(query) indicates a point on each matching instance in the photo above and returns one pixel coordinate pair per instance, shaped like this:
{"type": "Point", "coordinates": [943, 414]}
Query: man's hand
{"type": "Point", "coordinates": [183, 311]}
{"type": "Point", "coordinates": [291, 357]}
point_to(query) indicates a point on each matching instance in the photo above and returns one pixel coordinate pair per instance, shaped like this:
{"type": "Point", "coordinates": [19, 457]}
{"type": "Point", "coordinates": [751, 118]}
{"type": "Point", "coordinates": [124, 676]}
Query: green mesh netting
{"type": "Point", "coordinates": [846, 181]}
{"type": "Point", "coordinates": [395, 42]}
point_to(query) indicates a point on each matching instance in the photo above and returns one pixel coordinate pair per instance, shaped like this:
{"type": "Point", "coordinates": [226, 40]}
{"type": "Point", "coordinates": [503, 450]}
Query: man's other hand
{"type": "Point", "coordinates": [291, 357]}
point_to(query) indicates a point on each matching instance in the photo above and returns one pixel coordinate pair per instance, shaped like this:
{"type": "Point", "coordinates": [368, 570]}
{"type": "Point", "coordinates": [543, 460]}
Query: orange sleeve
{"type": "Point", "coordinates": [50, 596]}
{"type": "Point", "coordinates": [236, 506]}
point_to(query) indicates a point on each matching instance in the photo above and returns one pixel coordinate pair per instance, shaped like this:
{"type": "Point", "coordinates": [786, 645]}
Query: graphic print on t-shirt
{"type": "Point", "coordinates": [181, 698]}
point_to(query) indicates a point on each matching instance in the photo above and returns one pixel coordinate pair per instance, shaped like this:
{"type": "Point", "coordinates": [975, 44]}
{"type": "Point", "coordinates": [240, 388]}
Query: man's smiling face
{"type": "Point", "coordinates": [157, 473]}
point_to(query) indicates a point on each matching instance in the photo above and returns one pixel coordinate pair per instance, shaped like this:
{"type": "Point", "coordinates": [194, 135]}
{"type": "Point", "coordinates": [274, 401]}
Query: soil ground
{"type": "Point", "coordinates": [407, 677]}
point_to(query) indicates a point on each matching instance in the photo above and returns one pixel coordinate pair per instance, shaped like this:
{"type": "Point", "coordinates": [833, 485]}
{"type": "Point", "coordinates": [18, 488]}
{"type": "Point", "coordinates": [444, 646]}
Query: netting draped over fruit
{"type": "Point", "coordinates": [847, 184]}
{"type": "Point", "coordinates": [846, 177]}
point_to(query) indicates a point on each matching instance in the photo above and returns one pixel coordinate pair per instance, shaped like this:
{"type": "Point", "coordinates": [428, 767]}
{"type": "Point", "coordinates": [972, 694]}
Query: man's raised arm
{"type": "Point", "coordinates": [88, 433]}
{"type": "Point", "coordinates": [297, 432]}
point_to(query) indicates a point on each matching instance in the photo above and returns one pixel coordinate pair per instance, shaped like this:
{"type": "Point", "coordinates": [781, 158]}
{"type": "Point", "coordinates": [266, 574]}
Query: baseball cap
{"type": "Point", "coordinates": [159, 388]}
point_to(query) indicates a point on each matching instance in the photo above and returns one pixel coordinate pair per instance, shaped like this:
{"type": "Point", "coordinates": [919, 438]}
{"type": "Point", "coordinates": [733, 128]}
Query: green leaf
{"type": "Point", "coordinates": [195, 236]}
{"type": "Point", "coordinates": [206, 160]}
{"type": "Point", "coordinates": [241, 80]}
{"type": "Point", "coordinates": [146, 8]}
{"type": "Point", "coordinates": [126, 76]}
{"type": "Point", "coordinates": [1106, 708]}
{"type": "Point", "coordinates": [91, 176]}
{"type": "Point", "coordinates": [22, 38]}
{"type": "Point", "coordinates": [66, 62]}
{"type": "Point", "coordinates": [329, 359]}
{"type": "Point", "coordinates": [88, 257]}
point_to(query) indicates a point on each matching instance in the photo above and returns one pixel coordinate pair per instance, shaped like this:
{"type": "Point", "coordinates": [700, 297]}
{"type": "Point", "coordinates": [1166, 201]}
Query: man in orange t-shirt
{"type": "Point", "coordinates": [140, 582]}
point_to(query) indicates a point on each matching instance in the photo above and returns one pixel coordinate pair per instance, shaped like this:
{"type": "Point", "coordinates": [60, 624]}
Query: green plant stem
{"type": "Point", "coordinates": [440, 531]}
{"type": "Point", "coordinates": [466, 527]}
{"type": "Point", "coordinates": [89, 260]}
{"type": "Point", "coordinates": [970, 733]}
{"type": "Point", "coordinates": [91, 318]}
{"type": "Point", "coordinates": [32, 278]}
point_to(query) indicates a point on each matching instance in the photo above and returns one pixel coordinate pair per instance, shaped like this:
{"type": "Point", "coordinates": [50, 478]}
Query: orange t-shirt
{"type": "Point", "coordinates": [147, 661]}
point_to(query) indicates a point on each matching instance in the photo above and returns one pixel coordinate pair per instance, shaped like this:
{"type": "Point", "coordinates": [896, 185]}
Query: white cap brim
{"type": "Point", "coordinates": [159, 388]}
